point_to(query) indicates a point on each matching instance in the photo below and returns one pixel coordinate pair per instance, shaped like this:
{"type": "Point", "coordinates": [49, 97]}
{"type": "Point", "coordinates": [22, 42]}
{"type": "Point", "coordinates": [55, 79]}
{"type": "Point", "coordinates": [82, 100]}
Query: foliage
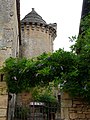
{"type": "Point", "coordinates": [82, 43]}
{"type": "Point", "coordinates": [45, 94]}
{"type": "Point", "coordinates": [82, 49]}
{"type": "Point", "coordinates": [64, 68]}
{"type": "Point", "coordinates": [70, 70]}
{"type": "Point", "coordinates": [22, 74]}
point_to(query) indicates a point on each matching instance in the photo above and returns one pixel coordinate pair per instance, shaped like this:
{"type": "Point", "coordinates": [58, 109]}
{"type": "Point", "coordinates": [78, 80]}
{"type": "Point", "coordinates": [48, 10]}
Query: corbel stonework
{"type": "Point", "coordinates": [42, 28]}
{"type": "Point", "coordinates": [33, 26]}
{"type": "Point", "coordinates": [47, 29]}
{"type": "Point", "coordinates": [37, 27]}
{"type": "Point", "coordinates": [27, 26]}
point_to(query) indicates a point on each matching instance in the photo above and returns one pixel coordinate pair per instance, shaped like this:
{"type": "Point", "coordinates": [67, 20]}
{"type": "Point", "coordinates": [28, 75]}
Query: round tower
{"type": "Point", "coordinates": [36, 35]}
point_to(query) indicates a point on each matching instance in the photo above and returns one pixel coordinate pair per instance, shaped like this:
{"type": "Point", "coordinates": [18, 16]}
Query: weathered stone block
{"type": "Point", "coordinates": [3, 84]}
{"type": "Point", "coordinates": [3, 91]}
{"type": "Point", "coordinates": [64, 114]}
{"type": "Point", "coordinates": [3, 118]}
{"type": "Point", "coordinates": [84, 109]}
{"type": "Point", "coordinates": [3, 101]}
{"type": "Point", "coordinates": [66, 103]}
{"type": "Point", "coordinates": [81, 115]}
{"type": "Point", "coordinates": [88, 110]}
{"type": "Point", "coordinates": [88, 115]}
{"type": "Point", "coordinates": [65, 95]}
{"type": "Point", "coordinates": [3, 112]}
{"type": "Point", "coordinates": [76, 102]}
{"type": "Point", "coordinates": [73, 116]}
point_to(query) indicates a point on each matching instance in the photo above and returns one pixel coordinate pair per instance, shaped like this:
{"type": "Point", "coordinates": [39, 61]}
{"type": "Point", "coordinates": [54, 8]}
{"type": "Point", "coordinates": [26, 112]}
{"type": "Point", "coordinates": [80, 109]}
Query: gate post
{"type": "Point", "coordinates": [66, 103]}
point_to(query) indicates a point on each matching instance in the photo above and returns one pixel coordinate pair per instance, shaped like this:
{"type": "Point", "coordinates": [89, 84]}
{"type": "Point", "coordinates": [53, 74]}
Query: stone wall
{"type": "Point", "coordinates": [24, 98]}
{"type": "Point", "coordinates": [3, 101]}
{"type": "Point", "coordinates": [8, 30]}
{"type": "Point", "coordinates": [74, 109]}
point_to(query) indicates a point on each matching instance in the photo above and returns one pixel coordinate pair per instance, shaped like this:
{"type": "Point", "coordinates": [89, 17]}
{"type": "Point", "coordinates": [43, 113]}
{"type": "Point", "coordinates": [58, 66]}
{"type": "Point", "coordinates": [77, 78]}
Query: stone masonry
{"type": "Point", "coordinates": [36, 40]}
{"type": "Point", "coordinates": [9, 45]}
{"type": "Point", "coordinates": [3, 101]}
{"type": "Point", "coordinates": [74, 109]}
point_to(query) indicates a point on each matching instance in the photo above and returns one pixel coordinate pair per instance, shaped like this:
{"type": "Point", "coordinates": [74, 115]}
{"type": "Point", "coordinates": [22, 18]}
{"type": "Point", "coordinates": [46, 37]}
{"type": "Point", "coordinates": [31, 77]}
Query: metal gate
{"type": "Point", "coordinates": [36, 111]}
{"type": "Point", "coordinates": [33, 111]}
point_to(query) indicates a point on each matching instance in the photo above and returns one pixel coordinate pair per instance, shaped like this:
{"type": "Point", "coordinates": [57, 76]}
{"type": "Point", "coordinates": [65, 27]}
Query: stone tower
{"type": "Point", "coordinates": [36, 35]}
{"type": "Point", "coordinates": [9, 29]}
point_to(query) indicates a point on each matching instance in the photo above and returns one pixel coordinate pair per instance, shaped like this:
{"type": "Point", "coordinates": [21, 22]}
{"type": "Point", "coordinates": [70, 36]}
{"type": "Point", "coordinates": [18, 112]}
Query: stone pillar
{"type": "Point", "coordinates": [3, 101]}
{"type": "Point", "coordinates": [66, 103]}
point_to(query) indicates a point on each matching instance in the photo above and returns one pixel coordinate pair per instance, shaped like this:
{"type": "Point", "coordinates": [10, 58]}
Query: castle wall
{"type": "Point", "coordinates": [8, 30]}
{"type": "Point", "coordinates": [35, 40]}
{"type": "Point", "coordinates": [74, 109]}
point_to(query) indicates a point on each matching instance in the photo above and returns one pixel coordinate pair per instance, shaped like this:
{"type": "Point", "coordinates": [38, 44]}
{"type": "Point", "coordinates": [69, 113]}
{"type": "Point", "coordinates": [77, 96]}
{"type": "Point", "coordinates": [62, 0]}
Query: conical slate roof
{"type": "Point", "coordinates": [33, 17]}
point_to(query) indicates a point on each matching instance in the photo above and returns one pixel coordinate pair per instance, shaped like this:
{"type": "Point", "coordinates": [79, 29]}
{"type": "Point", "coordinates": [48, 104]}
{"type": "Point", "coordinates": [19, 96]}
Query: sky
{"type": "Point", "coordinates": [66, 13]}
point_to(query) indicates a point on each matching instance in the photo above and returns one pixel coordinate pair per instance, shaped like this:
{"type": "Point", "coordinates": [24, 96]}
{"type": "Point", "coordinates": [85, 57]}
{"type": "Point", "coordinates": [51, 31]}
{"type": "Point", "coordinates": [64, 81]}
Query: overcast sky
{"type": "Point", "coordinates": [66, 13]}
